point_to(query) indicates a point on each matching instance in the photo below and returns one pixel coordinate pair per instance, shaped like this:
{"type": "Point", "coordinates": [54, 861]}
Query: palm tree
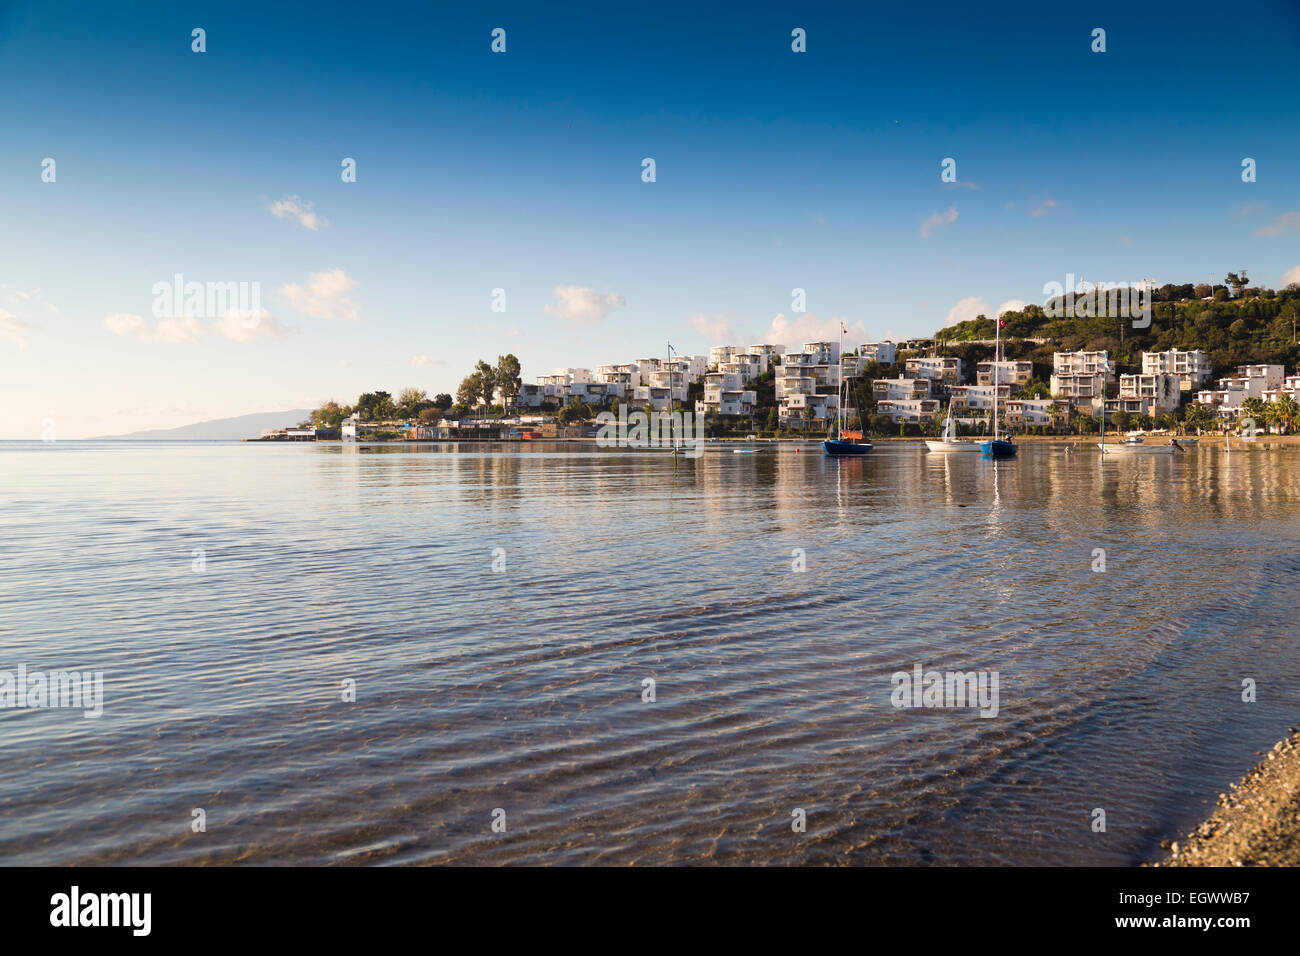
{"type": "Point", "coordinates": [1287, 410]}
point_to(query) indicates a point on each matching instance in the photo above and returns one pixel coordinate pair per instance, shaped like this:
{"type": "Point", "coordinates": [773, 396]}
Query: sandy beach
{"type": "Point", "coordinates": [1258, 820]}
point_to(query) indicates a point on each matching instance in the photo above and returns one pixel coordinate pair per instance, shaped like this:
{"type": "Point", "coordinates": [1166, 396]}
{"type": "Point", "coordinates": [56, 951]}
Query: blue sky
{"type": "Point", "coordinates": [522, 171]}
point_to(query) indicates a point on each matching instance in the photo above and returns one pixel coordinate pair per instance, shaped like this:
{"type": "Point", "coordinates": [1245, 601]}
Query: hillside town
{"type": "Point", "coordinates": [902, 388]}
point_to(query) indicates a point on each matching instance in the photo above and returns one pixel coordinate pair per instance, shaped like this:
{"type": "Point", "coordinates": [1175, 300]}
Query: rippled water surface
{"type": "Point", "coordinates": [522, 690]}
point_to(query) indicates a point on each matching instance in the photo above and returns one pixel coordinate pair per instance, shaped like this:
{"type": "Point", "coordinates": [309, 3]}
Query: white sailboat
{"type": "Point", "coordinates": [948, 440]}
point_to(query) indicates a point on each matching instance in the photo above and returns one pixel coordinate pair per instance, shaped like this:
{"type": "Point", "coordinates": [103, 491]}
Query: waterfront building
{"type": "Point", "coordinates": [805, 379]}
{"type": "Point", "coordinates": [1192, 368]}
{"type": "Point", "coordinates": [900, 389]}
{"type": "Point", "coordinates": [912, 410]}
{"type": "Point", "coordinates": [1149, 394]}
{"type": "Point", "coordinates": [1015, 372]}
{"type": "Point", "coordinates": [1251, 381]}
{"type": "Point", "coordinates": [945, 369]}
{"type": "Point", "coordinates": [1037, 412]}
{"type": "Point", "coordinates": [725, 394]}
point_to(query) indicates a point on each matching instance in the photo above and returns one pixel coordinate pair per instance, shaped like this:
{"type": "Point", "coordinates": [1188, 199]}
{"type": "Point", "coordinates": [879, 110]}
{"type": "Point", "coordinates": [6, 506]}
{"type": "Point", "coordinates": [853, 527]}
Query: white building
{"type": "Point", "coordinates": [1009, 372]}
{"type": "Point", "coordinates": [806, 378]}
{"type": "Point", "coordinates": [1149, 394]}
{"type": "Point", "coordinates": [908, 410]}
{"type": "Point", "coordinates": [1033, 412]}
{"type": "Point", "coordinates": [725, 394]}
{"type": "Point", "coordinates": [1251, 381]}
{"type": "Point", "coordinates": [938, 368]}
{"type": "Point", "coordinates": [1191, 368]}
{"type": "Point", "coordinates": [883, 353]}
{"type": "Point", "coordinates": [1081, 377]}
{"type": "Point", "coordinates": [900, 389]}
{"type": "Point", "coordinates": [977, 400]}
{"type": "Point", "coordinates": [1081, 363]}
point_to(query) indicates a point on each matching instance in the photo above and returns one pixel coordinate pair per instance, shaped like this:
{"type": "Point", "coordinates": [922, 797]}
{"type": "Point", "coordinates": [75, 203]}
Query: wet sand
{"type": "Point", "coordinates": [1258, 820]}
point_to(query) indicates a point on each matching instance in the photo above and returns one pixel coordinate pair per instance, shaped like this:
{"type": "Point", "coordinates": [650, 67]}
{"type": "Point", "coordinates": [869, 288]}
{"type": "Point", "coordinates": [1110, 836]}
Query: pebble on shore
{"type": "Point", "coordinates": [1258, 820]}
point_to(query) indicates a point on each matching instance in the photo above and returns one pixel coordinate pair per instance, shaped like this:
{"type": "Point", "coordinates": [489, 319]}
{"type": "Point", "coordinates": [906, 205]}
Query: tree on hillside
{"type": "Point", "coordinates": [443, 400]}
{"type": "Point", "coordinates": [1238, 283]}
{"type": "Point", "coordinates": [470, 392]}
{"type": "Point", "coordinates": [508, 378]}
{"type": "Point", "coordinates": [487, 381]}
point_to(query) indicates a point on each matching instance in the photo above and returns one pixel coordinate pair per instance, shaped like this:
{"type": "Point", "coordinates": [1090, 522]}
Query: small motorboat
{"type": "Point", "coordinates": [1136, 448]}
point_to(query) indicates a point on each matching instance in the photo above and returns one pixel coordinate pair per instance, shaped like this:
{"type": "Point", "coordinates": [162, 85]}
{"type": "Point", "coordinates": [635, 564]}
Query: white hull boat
{"type": "Point", "coordinates": [953, 444]}
{"type": "Point", "coordinates": [1127, 448]}
{"type": "Point", "coordinates": [948, 440]}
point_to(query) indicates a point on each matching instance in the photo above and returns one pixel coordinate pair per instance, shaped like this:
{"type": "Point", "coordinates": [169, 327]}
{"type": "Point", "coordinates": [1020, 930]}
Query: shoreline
{"type": "Point", "coordinates": [1257, 822]}
{"type": "Point", "coordinates": [1203, 441]}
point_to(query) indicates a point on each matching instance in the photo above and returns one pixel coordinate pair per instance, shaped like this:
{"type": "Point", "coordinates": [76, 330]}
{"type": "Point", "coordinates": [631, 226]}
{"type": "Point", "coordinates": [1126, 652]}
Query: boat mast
{"type": "Point", "coordinates": [997, 348]}
{"type": "Point", "coordinates": [839, 421]}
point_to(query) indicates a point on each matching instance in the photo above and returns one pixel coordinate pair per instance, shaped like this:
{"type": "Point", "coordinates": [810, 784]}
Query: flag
{"type": "Point", "coordinates": [1002, 323]}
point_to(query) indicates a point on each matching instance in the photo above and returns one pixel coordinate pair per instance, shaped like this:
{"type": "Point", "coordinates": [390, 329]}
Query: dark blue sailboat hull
{"type": "Point", "coordinates": [997, 448]}
{"type": "Point", "coordinates": [835, 447]}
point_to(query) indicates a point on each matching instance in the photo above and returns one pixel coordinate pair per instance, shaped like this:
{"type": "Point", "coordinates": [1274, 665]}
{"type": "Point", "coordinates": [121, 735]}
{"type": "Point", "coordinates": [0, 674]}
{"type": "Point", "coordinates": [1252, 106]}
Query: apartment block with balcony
{"type": "Point", "coordinates": [725, 394]}
{"type": "Point", "coordinates": [1082, 363]}
{"type": "Point", "coordinates": [1037, 412]}
{"type": "Point", "coordinates": [910, 411]}
{"type": "Point", "coordinates": [883, 353]}
{"type": "Point", "coordinates": [945, 369]}
{"type": "Point", "coordinates": [1079, 388]}
{"type": "Point", "coordinates": [976, 401]}
{"type": "Point", "coordinates": [792, 410]}
{"type": "Point", "coordinates": [1156, 393]}
{"type": "Point", "coordinates": [1251, 381]}
{"type": "Point", "coordinates": [901, 389]}
{"type": "Point", "coordinates": [1016, 372]}
{"type": "Point", "coordinates": [1192, 368]}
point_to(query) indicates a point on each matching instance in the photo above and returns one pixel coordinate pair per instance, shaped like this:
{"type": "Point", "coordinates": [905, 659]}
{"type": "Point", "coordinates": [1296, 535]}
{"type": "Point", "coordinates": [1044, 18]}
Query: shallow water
{"type": "Point", "coordinates": [522, 689]}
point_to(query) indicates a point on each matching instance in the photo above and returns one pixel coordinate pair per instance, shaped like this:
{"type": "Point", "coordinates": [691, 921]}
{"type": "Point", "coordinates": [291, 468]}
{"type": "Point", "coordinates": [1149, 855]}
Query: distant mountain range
{"type": "Point", "coordinates": [219, 429]}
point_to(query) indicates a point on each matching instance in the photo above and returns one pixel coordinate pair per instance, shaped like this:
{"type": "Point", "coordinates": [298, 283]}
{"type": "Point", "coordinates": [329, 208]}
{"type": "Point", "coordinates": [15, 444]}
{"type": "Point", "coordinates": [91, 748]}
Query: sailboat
{"type": "Point", "coordinates": [948, 440]}
{"type": "Point", "coordinates": [850, 442]}
{"type": "Point", "coordinates": [997, 447]}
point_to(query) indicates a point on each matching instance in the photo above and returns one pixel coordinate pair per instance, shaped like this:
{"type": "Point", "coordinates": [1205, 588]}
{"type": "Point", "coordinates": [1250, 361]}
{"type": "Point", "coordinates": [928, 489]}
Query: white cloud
{"type": "Point", "coordinates": [324, 297]}
{"type": "Point", "coordinates": [1280, 226]}
{"type": "Point", "coordinates": [262, 326]}
{"type": "Point", "coordinates": [1012, 305]}
{"type": "Point", "coordinates": [581, 304]}
{"type": "Point", "coordinates": [120, 323]}
{"type": "Point", "coordinates": [806, 327]}
{"type": "Point", "coordinates": [295, 207]}
{"type": "Point", "coordinates": [1291, 275]}
{"type": "Point", "coordinates": [11, 327]}
{"type": "Point", "coordinates": [1048, 204]}
{"type": "Point", "coordinates": [937, 220]}
{"type": "Point", "coordinates": [181, 330]}
{"type": "Point", "coordinates": [423, 361]}
{"type": "Point", "coordinates": [715, 328]}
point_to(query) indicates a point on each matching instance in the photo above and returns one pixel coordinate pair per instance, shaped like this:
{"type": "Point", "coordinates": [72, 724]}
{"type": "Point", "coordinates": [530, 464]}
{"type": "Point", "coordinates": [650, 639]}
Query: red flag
{"type": "Point", "coordinates": [1002, 323]}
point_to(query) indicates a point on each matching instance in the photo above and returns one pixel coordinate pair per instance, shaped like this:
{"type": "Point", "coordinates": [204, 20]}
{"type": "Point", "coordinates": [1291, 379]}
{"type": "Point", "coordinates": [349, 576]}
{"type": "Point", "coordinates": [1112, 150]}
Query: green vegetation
{"type": "Point", "coordinates": [1247, 326]}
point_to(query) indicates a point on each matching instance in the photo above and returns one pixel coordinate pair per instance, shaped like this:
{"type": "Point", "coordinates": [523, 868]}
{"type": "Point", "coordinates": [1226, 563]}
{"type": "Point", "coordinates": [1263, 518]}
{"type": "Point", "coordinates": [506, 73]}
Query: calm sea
{"type": "Point", "coordinates": [232, 594]}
